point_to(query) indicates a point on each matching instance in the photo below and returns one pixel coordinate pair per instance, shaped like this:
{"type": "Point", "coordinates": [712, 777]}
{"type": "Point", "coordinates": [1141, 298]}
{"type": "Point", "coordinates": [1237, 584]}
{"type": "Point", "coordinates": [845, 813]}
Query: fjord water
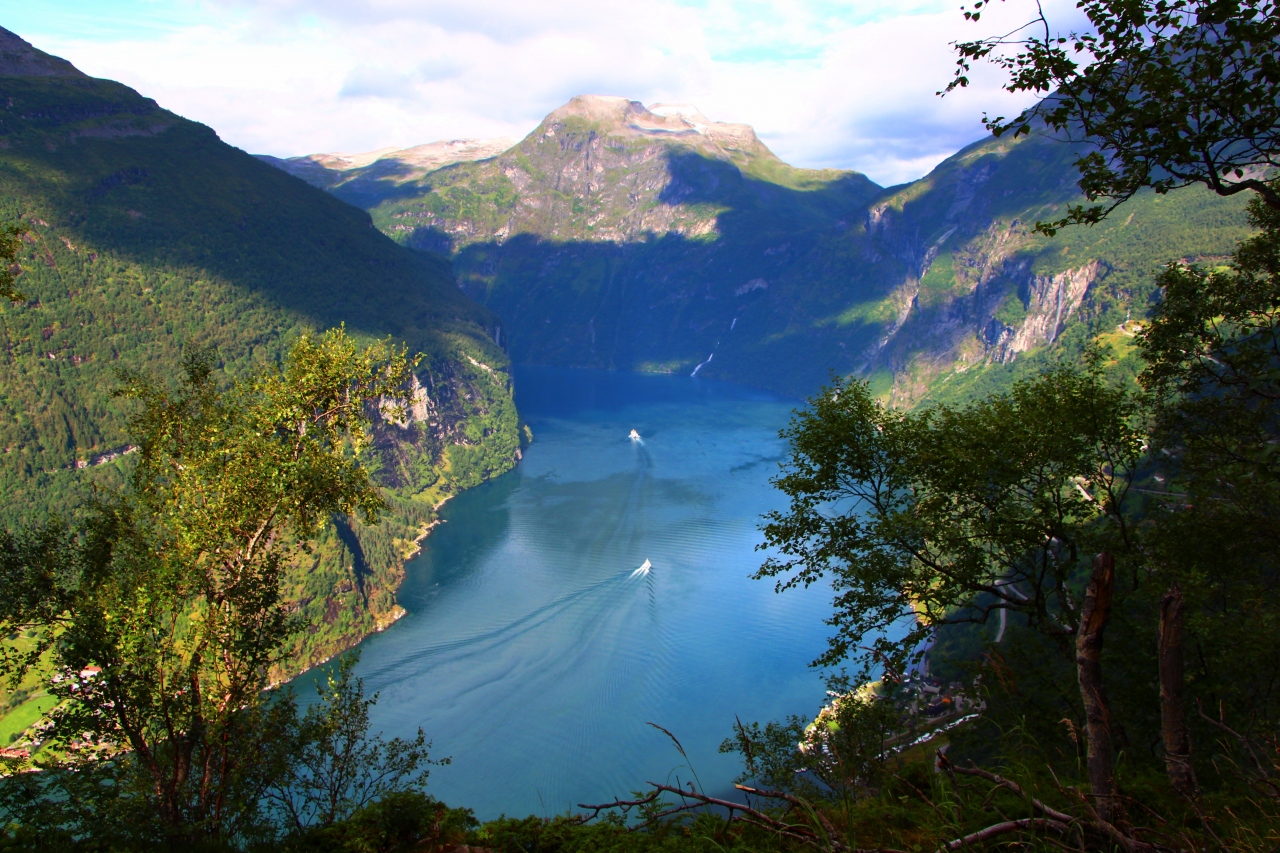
{"type": "Point", "coordinates": [535, 650]}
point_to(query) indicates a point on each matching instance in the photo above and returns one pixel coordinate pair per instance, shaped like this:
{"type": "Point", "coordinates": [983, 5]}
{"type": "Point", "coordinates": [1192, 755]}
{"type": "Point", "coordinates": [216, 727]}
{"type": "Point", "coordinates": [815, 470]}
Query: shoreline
{"type": "Point", "coordinates": [380, 623]}
{"type": "Point", "coordinates": [425, 532]}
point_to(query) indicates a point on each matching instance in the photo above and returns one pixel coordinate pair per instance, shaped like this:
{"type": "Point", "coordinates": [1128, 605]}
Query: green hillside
{"type": "Point", "coordinates": [613, 236]}
{"type": "Point", "coordinates": [990, 300]}
{"type": "Point", "coordinates": [148, 236]}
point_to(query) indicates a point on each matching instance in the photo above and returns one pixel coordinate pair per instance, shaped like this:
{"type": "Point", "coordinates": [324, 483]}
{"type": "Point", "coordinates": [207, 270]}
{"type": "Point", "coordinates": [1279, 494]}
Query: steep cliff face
{"type": "Point", "coordinates": [982, 296]}
{"type": "Point", "coordinates": [1052, 299]}
{"type": "Point", "coordinates": [626, 237]}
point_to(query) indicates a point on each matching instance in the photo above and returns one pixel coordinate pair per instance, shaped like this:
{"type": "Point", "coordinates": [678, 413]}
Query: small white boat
{"type": "Point", "coordinates": [635, 436]}
{"type": "Point", "coordinates": [643, 570]}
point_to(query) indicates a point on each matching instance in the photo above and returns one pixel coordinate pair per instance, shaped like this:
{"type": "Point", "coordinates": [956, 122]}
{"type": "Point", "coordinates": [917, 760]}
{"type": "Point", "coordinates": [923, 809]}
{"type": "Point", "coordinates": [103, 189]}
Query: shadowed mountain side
{"type": "Point", "coordinates": [147, 234]}
{"type": "Point", "coordinates": [166, 191]}
{"type": "Point", "coordinates": [667, 302]}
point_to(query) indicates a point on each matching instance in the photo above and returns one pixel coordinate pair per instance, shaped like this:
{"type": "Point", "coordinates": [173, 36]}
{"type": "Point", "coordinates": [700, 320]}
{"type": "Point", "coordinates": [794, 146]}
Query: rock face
{"type": "Point", "coordinates": [652, 238]}
{"type": "Point", "coordinates": [626, 119]}
{"type": "Point", "coordinates": [1052, 299]}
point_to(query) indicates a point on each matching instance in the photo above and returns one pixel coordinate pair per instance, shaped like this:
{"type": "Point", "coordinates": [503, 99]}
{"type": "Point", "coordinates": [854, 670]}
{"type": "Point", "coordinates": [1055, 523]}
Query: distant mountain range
{"type": "Point", "coordinates": [393, 165]}
{"type": "Point", "coordinates": [148, 236]}
{"type": "Point", "coordinates": [634, 238]}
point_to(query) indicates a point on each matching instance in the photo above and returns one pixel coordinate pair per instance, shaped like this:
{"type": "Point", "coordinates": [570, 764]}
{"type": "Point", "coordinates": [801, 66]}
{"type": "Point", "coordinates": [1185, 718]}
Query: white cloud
{"type": "Point", "coordinates": [846, 84]}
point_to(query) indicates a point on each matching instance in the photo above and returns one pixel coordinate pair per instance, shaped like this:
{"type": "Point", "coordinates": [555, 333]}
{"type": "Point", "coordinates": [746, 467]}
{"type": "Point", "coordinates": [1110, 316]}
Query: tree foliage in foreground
{"type": "Point", "coordinates": [1213, 355]}
{"type": "Point", "coordinates": [333, 769]}
{"type": "Point", "coordinates": [1168, 92]}
{"type": "Point", "coordinates": [953, 515]}
{"type": "Point", "coordinates": [320, 781]}
{"type": "Point", "coordinates": [1124, 542]}
{"type": "Point", "coordinates": [161, 611]}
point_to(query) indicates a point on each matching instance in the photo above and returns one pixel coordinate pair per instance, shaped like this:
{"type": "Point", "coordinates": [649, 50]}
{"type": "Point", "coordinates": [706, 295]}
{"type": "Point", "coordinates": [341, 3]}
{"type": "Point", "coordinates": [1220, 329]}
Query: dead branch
{"type": "Point", "coordinates": [1008, 784]}
{"type": "Point", "coordinates": [798, 832]}
{"type": "Point", "coordinates": [997, 829]}
{"type": "Point", "coordinates": [695, 799]}
{"type": "Point", "coordinates": [1266, 779]}
{"type": "Point", "coordinates": [795, 802]}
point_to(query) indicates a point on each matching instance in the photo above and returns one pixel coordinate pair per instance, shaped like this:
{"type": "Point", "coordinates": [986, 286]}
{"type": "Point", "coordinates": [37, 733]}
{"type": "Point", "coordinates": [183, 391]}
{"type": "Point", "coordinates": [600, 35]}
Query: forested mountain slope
{"type": "Point", "coordinates": [655, 239]}
{"type": "Point", "coordinates": [148, 237]}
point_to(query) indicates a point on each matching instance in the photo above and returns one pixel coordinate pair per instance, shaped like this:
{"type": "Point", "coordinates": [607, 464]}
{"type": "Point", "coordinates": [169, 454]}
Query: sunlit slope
{"type": "Point", "coordinates": [979, 298]}
{"type": "Point", "coordinates": [637, 238]}
{"type": "Point", "coordinates": [149, 237]}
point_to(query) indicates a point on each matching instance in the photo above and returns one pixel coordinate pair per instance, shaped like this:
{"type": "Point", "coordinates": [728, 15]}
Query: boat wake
{"type": "Point", "coordinates": [506, 633]}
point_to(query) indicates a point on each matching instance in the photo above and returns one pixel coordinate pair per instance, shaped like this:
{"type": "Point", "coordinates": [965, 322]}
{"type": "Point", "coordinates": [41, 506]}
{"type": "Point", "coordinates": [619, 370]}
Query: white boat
{"type": "Point", "coordinates": [635, 436]}
{"type": "Point", "coordinates": [643, 570]}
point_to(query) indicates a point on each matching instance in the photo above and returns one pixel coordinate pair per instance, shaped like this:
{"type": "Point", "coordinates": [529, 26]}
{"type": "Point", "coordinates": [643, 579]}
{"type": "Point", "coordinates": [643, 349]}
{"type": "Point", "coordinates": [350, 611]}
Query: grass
{"type": "Point", "coordinates": [25, 716]}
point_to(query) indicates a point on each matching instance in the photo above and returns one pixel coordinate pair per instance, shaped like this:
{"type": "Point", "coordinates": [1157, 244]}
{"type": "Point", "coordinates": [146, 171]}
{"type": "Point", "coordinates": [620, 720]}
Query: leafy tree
{"type": "Point", "coordinates": [843, 753]}
{"type": "Point", "coordinates": [163, 613]}
{"type": "Point", "coordinates": [1213, 361]}
{"type": "Point", "coordinates": [1025, 506]}
{"type": "Point", "coordinates": [951, 515]}
{"type": "Point", "coordinates": [1168, 92]}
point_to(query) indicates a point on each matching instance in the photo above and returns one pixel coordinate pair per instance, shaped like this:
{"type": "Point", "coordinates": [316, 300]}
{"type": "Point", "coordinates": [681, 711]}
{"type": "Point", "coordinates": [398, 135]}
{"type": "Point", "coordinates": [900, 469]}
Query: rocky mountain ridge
{"type": "Point", "coordinates": [621, 236]}
{"type": "Point", "coordinates": [390, 164]}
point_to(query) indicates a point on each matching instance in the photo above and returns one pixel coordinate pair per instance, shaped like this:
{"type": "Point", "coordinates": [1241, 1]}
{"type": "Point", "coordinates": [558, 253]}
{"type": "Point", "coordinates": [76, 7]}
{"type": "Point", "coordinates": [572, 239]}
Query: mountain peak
{"type": "Point", "coordinates": [19, 59]}
{"type": "Point", "coordinates": [684, 122]}
{"type": "Point", "coordinates": [603, 108]}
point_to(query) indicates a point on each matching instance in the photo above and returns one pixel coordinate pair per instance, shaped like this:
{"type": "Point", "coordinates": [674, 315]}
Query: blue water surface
{"type": "Point", "coordinates": [534, 652]}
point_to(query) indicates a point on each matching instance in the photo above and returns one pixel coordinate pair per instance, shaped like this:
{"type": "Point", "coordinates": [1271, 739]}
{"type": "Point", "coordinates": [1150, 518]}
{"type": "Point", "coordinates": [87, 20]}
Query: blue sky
{"type": "Point", "coordinates": [825, 83]}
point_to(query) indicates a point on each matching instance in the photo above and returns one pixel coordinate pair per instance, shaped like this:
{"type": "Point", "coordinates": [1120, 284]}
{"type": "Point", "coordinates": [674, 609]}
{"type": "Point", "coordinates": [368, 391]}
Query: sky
{"type": "Point", "coordinates": [825, 84]}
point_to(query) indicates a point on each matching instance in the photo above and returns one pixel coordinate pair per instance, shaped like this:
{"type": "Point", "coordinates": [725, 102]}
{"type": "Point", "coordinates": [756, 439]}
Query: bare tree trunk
{"type": "Point", "coordinates": [1173, 721]}
{"type": "Point", "coordinates": [1093, 619]}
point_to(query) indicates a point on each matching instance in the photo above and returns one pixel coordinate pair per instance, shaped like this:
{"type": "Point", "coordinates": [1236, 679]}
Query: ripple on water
{"type": "Point", "coordinates": [530, 654]}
